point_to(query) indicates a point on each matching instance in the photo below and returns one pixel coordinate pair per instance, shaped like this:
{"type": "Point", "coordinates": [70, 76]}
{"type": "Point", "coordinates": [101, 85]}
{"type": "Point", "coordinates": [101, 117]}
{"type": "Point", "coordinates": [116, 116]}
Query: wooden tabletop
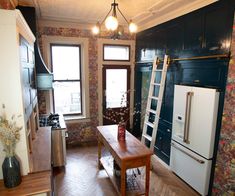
{"type": "Point", "coordinates": [130, 149]}
{"type": "Point", "coordinates": [31, 184]}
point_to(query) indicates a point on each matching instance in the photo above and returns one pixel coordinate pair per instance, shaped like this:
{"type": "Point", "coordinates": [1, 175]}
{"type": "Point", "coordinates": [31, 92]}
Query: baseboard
{"type": "Point", "coordinates": [154, 158]}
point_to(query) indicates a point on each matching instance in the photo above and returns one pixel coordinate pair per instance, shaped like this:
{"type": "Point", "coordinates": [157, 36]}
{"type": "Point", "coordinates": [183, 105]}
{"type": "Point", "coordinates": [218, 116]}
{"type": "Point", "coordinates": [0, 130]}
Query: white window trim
{"type": "Point", "coordinates": [46, 41]}
{"type": "Point", "coordinates": [101, 62]}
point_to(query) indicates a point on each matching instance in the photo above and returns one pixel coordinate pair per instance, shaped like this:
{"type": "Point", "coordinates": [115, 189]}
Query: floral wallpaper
{"type": "Point", "coordinates": [6, 4]}
{"type": "Point", "coordinates": [224, 181]}
{"type": "Point", "coordinates": [80, 132]}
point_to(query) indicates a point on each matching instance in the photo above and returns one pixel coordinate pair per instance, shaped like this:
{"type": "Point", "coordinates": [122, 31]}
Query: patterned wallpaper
{"type": "Point", "coordinates": [224, 181]}
{"type": "Point", "coordinates": [82, 132]}
{"type": "Point", "coordinates": [6, 4]}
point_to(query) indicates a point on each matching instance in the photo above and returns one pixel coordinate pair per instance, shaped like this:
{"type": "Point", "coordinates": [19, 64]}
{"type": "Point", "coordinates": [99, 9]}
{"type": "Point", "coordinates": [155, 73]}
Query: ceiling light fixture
{"type": "Point", "coordinates": [112, 24]}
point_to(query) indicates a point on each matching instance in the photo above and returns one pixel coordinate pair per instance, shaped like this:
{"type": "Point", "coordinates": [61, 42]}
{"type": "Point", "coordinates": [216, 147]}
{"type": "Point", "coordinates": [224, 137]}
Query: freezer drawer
{"type": "Point", "coordinates": [192, 168]}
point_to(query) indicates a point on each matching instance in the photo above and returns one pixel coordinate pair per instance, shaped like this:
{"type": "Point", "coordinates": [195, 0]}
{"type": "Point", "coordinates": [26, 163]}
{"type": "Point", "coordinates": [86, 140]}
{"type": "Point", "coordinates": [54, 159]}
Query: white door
{"type": "Point", "coordinates": [194, 118]}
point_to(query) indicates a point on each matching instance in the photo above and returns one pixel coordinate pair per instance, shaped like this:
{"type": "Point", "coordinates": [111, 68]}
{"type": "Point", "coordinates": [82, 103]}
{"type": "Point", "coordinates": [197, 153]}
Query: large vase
{"type": "Point", "coordinates": [11, 172]}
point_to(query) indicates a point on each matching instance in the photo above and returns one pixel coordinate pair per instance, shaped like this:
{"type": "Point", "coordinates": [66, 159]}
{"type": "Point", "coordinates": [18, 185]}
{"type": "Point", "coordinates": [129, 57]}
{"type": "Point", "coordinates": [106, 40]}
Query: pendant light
{"type": "Point", "coordinates": [111, 21]}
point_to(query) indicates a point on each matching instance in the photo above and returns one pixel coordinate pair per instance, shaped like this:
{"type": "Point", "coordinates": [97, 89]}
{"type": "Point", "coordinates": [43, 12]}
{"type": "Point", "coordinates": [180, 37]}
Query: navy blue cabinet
{"type": "Point", "coordinates": [204, 32]}
{"type": "Point", "coordinates": [193, 32]}
{"type": "Point", "coordinates": [218, 28]}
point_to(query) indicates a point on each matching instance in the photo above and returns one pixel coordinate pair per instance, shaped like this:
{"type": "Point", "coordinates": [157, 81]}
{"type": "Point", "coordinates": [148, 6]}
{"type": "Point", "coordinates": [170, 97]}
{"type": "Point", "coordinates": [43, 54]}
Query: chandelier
{"type": "Point", "coordinates": [112, 24]}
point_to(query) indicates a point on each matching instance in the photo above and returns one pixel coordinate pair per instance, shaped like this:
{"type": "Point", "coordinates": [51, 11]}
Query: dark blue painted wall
{"type": "Point", "coordinates": [204, 32]}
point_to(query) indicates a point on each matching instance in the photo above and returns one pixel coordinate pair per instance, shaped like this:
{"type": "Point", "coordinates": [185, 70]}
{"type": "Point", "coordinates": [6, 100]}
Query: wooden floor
{"type": "Point", "coordinates": [81, 177]}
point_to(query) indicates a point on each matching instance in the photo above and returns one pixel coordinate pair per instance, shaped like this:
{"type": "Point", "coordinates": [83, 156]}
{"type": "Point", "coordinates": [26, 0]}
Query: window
{"type": "Point", "coordinates": [116, 52]}
{"type": "Point", "coordinates": [66, 66]}
{"type": "Point", "coordinates": [116, 88]}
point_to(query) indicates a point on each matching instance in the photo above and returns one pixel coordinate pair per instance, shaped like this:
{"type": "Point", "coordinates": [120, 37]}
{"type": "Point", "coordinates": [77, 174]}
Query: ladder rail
{"type": "Point", "coordinates": [161, 85]}
{"type": "Point", "coordinates": [153, 75]}
{"type": "Point", "coordinates": [161, 92]}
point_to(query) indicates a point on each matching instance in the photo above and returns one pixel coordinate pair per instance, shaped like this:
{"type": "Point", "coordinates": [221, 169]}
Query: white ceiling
{"type": "Point", "coordinates": [145, 13]}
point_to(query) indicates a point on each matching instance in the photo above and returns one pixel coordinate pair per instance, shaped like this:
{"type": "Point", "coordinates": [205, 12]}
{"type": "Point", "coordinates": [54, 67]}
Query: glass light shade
{"type": "Point", "coordinates": [132, 27]}
{"type": "Point", "coordinates": [111, 23]}
{"type": "Point", "coordinates": [95, 30]}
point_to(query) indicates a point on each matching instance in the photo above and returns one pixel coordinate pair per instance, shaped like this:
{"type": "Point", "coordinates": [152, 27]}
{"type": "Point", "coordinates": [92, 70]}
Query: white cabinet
{"type": "Point", "coordinates": [12, 89]}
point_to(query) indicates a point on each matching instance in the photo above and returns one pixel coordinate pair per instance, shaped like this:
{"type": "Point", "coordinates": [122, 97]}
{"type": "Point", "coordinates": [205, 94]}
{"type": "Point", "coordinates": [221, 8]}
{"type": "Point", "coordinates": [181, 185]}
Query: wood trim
{"type": "Point", "coordinates": [24, 28]}
{"type": "Point", "coordinates": [31, 184]}
{"type": "Point", "coordinates": [71, 80]}
{"type": "Point", "coordinates": [128, 46]}
{"type": "Point", "coordinates": [125, 67]}
{"type": "Point", "coordinates": [14, 3]}
{"type": "Point", "coordinates": [151, 20]}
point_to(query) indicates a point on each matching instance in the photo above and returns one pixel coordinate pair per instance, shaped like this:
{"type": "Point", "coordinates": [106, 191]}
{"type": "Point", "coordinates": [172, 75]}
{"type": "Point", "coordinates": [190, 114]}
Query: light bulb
{"type": "Point", "coordinates": [111, 23]}
{"type": "Point", "coordinates": [132, 27]}
{"type": "Point", "coordinates": [96, 29]}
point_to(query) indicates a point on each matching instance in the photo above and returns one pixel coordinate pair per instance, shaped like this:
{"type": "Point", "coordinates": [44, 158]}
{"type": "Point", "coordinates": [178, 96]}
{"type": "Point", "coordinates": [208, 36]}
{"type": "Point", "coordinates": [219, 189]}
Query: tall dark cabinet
{"type": "Point", "coordinates": [204, 32]}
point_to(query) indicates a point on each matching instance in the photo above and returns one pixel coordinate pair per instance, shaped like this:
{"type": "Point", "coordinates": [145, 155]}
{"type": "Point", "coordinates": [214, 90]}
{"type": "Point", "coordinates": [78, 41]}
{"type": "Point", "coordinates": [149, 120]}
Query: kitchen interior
{"type": "Point", "coordinates": [194, 141]}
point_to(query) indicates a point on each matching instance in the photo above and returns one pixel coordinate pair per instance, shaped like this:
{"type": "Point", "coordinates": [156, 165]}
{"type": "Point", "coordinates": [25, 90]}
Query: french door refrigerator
{"type": "Point", "coordinates": [193, 134]}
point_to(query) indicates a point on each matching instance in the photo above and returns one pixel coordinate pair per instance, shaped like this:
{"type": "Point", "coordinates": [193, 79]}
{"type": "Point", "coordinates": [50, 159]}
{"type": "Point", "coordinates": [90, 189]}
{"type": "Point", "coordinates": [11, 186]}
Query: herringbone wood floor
{"type": "Point", "coordinates": [81, 177]}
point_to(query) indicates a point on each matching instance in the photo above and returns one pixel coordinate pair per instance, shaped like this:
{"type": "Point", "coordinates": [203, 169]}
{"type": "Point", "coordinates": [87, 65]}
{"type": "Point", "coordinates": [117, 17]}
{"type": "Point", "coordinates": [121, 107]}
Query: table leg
{"type": "Point", "coordinates": [123, 181]}
{"type": "Point", "coordinates": [99, 152]}
{"type": "Point", "coordinates": [147, 177]}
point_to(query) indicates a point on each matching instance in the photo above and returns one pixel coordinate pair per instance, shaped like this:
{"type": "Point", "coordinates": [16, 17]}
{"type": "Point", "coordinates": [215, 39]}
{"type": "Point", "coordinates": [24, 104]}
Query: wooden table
{"type": "Point", "coordinates": [127, 154]}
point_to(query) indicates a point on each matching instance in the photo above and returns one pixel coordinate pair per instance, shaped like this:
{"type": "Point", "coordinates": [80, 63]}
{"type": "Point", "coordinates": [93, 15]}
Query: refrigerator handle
{"type": "Point", "coordinates": [195, 158]}
{"type": "Point", "coordinates": [187, 116]}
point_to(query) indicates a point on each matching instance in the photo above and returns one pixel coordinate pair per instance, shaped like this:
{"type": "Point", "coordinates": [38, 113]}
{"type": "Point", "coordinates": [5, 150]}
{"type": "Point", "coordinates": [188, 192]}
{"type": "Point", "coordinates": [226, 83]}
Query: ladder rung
{"type": "Point", "coordinates": [152, 111]}
{"type": "Point", "coordinates": [149, 138]}
{"type": "Point", "coordinates": [158, 70]}
{"type": "Point", "coordinates": [149, 124]}
{"type": "Point", "coordinates": [152, 97]}
{"type": "Point", "coordinates": [156, 84]}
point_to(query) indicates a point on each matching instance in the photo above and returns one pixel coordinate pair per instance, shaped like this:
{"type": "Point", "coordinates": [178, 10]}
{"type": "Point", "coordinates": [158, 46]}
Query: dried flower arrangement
{"type": "Point", "coordinates": [9, 133]}
{"type": "Point", "coordinates": [120, 116]}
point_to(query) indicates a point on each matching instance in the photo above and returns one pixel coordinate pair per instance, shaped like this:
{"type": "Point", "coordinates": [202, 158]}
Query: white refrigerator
{"type": "Point", "coordinates": [193, 135]}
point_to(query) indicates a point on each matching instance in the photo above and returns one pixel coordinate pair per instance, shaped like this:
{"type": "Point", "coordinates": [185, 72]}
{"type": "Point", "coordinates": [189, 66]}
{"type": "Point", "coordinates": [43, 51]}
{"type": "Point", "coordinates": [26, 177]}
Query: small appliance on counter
{"type": "Point", "coordinates": [58, 135]}
{"type": "Point", "coordinates": [193, 134]}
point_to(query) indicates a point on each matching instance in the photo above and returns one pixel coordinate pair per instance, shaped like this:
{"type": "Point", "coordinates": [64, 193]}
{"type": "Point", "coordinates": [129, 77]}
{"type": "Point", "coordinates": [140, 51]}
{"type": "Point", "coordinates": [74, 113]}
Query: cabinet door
{"type": "Point", "coordinates": [28, 75]}
{"type": "Point", "coordinates": [160, 42]}
{"type": "Point", "coordinates": [142, 81]}
{"type": "Point", "coordinates": [163, 143]}
{"type": "Point", "coordinates": [209, 73]}
{"type": "Point", "coordinates": [193, 32]}
{"type": "Point", "coordinates": [218, 27]}
{"type": "Point", "coordinates": [174, 38]}
{"type": "Point", "coordinates": [163, 138]}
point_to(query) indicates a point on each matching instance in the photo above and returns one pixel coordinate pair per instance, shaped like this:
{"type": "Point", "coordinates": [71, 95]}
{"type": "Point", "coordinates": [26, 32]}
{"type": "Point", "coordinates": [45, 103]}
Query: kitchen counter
{"type": "Point", "coordinates": [41, 151]}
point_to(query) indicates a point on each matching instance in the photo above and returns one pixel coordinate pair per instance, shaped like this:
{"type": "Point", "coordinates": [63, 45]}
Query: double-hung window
{"type": "Point", "coordinates": [66, 66]}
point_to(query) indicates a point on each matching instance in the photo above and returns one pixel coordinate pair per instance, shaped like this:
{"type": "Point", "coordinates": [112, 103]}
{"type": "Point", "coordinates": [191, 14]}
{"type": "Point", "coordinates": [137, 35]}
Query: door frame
{"type": "Point", "coordinates": [101, 62]}
{"type": "Point", "coordinates": [125, 67]}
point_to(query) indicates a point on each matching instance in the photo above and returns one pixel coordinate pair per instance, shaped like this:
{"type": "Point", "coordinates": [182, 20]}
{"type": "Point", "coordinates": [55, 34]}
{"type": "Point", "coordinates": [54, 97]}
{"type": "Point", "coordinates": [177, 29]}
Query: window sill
{"type": "Point", "coordinates": [73, 118]}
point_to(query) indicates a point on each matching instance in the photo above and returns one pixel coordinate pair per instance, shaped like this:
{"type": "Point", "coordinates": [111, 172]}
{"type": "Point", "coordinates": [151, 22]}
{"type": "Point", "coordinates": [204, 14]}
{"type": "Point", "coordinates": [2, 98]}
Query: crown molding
{"type": "Point", "coordinates": [23, 27]}
{"type": "Point", "coordinates": [150, 20]}
{"type": "Point", "coordinates": [65, 24]}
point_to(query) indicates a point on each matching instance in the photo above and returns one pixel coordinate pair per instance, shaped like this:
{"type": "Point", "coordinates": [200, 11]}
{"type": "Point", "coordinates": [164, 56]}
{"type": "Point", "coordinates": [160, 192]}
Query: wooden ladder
{"type": "Point", "coordinates": [154, 102]}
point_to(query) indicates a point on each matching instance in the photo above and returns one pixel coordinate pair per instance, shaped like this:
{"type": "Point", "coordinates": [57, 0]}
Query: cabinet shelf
{"type": "Point", "coordinates": [133, 184]}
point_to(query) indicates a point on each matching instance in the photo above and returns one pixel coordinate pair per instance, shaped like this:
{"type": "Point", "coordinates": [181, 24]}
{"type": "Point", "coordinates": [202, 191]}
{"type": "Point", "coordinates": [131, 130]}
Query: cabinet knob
{"type": "Point", "coordinates": [168, 130]}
